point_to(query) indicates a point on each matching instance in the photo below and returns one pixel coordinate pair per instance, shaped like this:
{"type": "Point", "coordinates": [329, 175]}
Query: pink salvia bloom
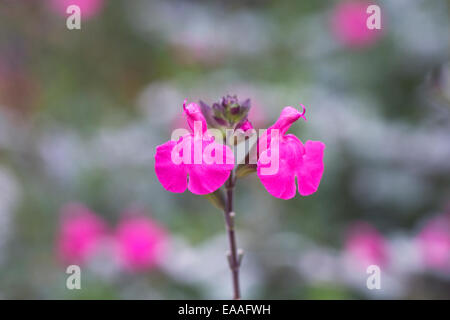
{"type": "Point", "coordinates": [292, 159]}
{"type": "Point", "coordinates": [434, 243]}
{"type": "Point", "coordinates": [88, 8]}
{"type": "Point", "coordinates": [366, 246]}
{"type": "Point", "coordinates": [141, 243]}
{"type": "Point", "coordinates": [349, 24]}
{"type": "Point", "coordinates": [195, 161]}
{"type": "Point", "coordinates": [80, 234]}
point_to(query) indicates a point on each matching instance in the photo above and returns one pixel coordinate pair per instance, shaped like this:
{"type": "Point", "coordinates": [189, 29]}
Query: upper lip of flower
{"type": "Point", "coordinates": [291, 114]}
{"type": "Point", "coordinates": [193, 114]}
{"type": "Point", "coordinates": [191, 110]}
{"type": "Point", "coordinates": [287, 117]}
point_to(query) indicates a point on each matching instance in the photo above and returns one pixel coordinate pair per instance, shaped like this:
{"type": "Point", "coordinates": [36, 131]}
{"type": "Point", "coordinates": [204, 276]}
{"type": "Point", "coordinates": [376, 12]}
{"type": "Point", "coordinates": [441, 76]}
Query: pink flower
{"type": "Point", "coordinates": [283, 157]}
{"type": "Point", "coordinates": [366, 246]}
{"type": "Point", "coordinates": [88, 8]}
{"type": "Point", "coordinates": [195, 155]}
{"type": "Point", "coordinates": [348, 24]}
{"type": "Point", "coordinates": [80, 233]}
{"type": "Point", "coordinates": [434, 243]}
{"type": "Point", "coordinates": [141, 242]}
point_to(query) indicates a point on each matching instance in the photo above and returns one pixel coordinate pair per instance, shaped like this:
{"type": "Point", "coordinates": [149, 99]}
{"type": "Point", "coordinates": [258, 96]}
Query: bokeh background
{"type": "Point", "coordinates": [81, 112]}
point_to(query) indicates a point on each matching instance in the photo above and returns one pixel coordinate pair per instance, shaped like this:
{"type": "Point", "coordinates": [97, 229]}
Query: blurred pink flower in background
{"type": "Point", "coordinates": [80, 234]}
{"type": "Point", "coordinates": [141, 242]}
{"type": "Point", "coordinates": [434, 243]}
{"type": "Point", "coordinates": [366, 246]}
{"type": "Point", "coordinates": [348, 24]}
{"type": "Point", "coordinates": [89, 8]}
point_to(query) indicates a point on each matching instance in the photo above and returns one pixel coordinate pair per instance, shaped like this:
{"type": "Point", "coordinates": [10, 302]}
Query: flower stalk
{"type": "Point", "coordinates": [234, 255]}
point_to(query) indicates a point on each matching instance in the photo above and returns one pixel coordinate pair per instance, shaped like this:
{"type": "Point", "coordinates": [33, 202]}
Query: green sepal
{"type": "Point", "coordinates": [245, 169]}
{"type": "Point", "coordinates": [217, 198]}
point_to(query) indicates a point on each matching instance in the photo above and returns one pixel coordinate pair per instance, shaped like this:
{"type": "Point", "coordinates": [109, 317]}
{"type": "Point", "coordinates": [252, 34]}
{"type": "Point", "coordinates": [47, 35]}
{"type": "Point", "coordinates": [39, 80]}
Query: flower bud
{"type": "Point", "coordinates": [226, 114]}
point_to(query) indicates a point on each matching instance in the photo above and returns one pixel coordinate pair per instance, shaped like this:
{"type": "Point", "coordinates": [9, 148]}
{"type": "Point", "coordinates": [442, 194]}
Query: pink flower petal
{"type": "Point", "coordinates": [170, 175]}
{"type": "Point", "coordinates": [311, 171]}
{"type": "Point", "coordinates": [205, 177]}
{"type": "Point", "coordinates": [282, 183]}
